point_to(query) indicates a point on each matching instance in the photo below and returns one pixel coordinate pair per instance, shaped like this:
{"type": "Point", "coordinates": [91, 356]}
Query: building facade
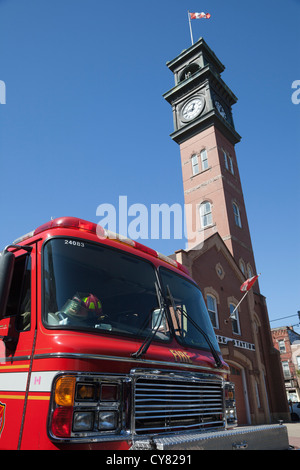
{"type": "Point", "coordinates": [287, 342]}
{"type": "Point", "coordinates": [219, 254]}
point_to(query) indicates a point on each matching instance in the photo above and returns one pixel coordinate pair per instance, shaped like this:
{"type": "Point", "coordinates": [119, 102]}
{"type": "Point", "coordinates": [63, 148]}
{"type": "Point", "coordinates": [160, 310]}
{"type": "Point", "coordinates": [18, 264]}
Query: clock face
{"type": "Point", "coordinates": [192, 108]}
{"type": "Point", "coordinates": [220, 109]}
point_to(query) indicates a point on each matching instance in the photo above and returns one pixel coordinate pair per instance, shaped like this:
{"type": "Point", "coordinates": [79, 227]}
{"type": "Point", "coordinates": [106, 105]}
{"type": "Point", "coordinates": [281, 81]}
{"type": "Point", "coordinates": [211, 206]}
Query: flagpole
{"type": "Point", "coordinates": [231, 316]}
{"type": "Point", "coordinates": [232, 313]}
{"type": "Point", "coordinates": [192, 39]}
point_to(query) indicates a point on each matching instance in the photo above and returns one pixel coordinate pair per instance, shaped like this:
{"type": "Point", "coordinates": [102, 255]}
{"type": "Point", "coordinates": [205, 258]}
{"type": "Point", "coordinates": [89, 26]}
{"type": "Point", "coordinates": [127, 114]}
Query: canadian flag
{"type": "Point", "coordinates": [248, 283]}
{"type": "Point", "coordinates": [197, 16]}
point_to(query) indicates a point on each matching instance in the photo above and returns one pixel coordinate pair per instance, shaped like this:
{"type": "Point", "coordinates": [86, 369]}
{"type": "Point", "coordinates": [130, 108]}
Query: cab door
{"type": "Point", "coordinates": [17, 328]}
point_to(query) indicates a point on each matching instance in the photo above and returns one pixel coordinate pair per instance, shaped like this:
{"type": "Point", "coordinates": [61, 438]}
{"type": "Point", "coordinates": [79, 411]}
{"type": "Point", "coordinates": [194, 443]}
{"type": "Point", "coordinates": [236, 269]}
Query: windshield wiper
{"type": "Point", "coordinates": [174, 310]}
{"type": "Point", "coordinates": [198, 328]}
{"type": "Point", "coordinates": [148, 340]}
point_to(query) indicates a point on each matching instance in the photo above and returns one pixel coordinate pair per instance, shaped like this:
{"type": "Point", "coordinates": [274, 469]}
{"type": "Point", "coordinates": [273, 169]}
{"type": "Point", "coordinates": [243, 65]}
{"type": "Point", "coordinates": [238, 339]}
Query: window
{"type": "Point", "coordinates": [19, 299]}
{"type": "Point", "coordinates": [281, 345]}
{"type": "Point", "coordinates": [250, 271]}
{"type": "Point", "coordinates": [188, 71]}
{"type": "Point", "coordinates": [234, 371]}
{"type": "Point", "coordinates": [205, 214]}
{"type": "Point", "coordinates": [235, 320]}
{"type": "Point", "coordinates": [195, 164]}
{"type": "Point", "coordinates": [228, 162]}
{"type": "Point", "coordinates": [242, 267]}
{"type": "Point", "coordinates": [237, 215]}
{"type": "Point", "coordinates": [204, 160]}
{"type": "Point", "coordinates": [286, 370]}
{"type": "Point", "coordinates": [257, 395]}
{"type": "Point", "coordinates": [102, 289]}
{"type": "Point", "coordinates": [220, 271]}
{"type": "Point", "coordinates": [212, 310]}
{"type": "Point", "coordinates": [185, 299]}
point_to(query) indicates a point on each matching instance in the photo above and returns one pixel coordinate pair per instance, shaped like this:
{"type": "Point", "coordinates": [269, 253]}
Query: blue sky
{"type": "Point", "coordinates": [85, 121]}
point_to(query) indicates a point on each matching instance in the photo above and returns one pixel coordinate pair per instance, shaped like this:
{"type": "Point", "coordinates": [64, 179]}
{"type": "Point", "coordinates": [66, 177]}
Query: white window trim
{"type": "Point", "coordinates": [238, 332]}
{"type": "Point", "coordinates": [206, 214]}
{"type": "Point", "coordinates": [215, 311]}
{"type": "Point", "coordinates": [204, 159]}
{"type": "Point", "coordinates": [283, 349]}
{"type": "Point", "coordinates": [195, 164]}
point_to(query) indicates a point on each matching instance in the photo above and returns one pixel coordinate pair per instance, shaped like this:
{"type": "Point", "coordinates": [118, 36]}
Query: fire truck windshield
{"type": "Point", "coordinates": [188, 312]}
{"type": "Point", "coordinates": [88, 286]}
{"type": "Point", "coordinates": [91, 286]}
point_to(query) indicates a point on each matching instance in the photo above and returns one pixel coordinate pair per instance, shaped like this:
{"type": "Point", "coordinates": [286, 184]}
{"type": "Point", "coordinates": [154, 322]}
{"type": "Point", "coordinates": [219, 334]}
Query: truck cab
{"type": "Point", "coordinates": [104, 344]}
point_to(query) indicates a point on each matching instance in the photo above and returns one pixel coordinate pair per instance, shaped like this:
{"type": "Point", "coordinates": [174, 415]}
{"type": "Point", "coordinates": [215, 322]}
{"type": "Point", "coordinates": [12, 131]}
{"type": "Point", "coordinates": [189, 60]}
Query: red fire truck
{"type": "Point", "coordinates": [107, 344]}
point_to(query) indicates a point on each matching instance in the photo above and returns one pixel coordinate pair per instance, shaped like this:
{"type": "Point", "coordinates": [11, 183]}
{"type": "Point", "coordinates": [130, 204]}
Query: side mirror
{"type": "Point", "coordinates": [7, 262]}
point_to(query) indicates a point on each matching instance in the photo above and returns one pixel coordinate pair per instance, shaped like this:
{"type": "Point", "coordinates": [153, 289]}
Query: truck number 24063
{"type": "Point", "coordinates": [74, 243]}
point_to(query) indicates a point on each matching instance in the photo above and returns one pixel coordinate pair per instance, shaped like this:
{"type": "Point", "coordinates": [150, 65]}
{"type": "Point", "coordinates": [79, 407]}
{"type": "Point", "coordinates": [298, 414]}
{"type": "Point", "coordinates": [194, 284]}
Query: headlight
{"type": "Point", "coordinates": [108, 420]}
{"type": "Point", "coordinates": [83, 421]}
{"type": "Point", "coordinates": [86, 406]}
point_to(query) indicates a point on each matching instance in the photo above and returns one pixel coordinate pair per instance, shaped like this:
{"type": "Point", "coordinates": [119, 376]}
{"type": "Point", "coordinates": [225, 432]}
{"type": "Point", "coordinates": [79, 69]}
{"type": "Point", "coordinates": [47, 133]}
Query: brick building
{"type": "Point", "coordinates": [219, 254]}
{"type": "Point", "coordinates": [287, 342]}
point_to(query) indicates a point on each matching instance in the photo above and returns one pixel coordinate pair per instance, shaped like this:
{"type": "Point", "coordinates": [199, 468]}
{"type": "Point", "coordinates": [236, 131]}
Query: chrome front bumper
{"type": "Point", "coordinates": [267, 437]}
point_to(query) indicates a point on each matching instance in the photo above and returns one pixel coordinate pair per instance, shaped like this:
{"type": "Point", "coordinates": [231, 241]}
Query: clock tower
{"type": "Point", "coordinates": [219, 254]}
{"type": "Point", "coordinates": [204, 129]}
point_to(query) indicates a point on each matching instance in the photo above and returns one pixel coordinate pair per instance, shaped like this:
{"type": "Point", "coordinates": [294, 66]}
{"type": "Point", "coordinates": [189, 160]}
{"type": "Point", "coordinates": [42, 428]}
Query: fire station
{"type": "Point", "coordinates": [108, 344]}
{"type": "Point", "coordinates": [219, 255]}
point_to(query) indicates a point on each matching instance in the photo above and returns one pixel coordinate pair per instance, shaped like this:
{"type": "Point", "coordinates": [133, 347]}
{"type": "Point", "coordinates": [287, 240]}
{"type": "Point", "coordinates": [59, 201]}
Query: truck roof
{"type": "Point", "coordinates": [102, 233]}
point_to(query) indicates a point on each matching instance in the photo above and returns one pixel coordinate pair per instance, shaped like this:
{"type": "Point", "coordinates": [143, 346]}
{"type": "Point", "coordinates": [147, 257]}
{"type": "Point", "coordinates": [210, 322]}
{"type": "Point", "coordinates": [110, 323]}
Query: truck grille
{"type": "Point", "coordinates": [168, 404]}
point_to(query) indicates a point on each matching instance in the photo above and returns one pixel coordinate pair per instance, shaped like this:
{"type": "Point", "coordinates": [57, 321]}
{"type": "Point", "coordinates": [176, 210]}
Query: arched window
{"type": "Point", "coordinates": [242, 267]}
{"type": "Point", "coordinates": [237, 215]}
{"type": "Point", "coordinates": [228, 162]}
{"type": "Point", "coordinates": [188, 71]}
{"type": "Point", "coordinates": [212, 310]}
{"type": "Point", "coordinates": [205, 214]}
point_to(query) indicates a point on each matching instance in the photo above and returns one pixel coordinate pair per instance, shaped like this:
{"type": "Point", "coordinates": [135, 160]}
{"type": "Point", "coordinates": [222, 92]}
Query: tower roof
{"type": "Point", "coordinates": [208, 56]}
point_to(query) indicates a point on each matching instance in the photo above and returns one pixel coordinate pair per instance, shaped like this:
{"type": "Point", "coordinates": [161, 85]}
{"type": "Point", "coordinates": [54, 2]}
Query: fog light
{"type": "Point", "coordinates": [83, 421]}
{"type": "Point", "coordinates": [107, 420]}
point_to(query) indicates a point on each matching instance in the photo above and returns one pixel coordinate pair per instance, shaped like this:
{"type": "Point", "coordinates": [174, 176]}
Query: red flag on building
{"type": "Point", "coordinates": [197, 16]}
{"type": "Point", "coordinates": [248, 283]}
